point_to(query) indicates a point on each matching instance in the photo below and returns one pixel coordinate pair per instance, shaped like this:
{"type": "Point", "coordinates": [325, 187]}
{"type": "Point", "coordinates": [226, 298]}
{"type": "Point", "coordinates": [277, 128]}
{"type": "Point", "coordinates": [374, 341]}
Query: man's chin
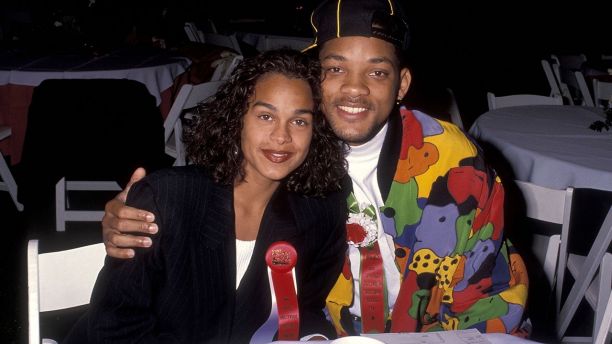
{"type": "Point", "coordinates": [357, 136]}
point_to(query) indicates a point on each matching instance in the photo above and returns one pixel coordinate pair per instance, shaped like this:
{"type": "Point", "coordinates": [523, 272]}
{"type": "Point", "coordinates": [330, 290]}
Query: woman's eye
{"type": "Point", "coordinates": [334, 69]}
{"type": "Point", "coordinates": [265, 117]}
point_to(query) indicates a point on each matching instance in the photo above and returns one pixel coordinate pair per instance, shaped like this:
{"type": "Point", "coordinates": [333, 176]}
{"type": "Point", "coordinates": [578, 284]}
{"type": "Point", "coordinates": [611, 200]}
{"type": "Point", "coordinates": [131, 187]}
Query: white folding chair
{"type": "Point", "coordinates": [63, 213]}
{"type": "Point", "coordinates": [550, 77]}
{"type": "Point", "coordinates": [602, 92]}
{"type": "Point", "coordinates": [453, 109]}
{"type": "Point", "coordinates": [225, 66]}
{"type": "Point", "coordinates": [602, 334]}
{"type": "Point", "coordinates": [564, 84]}
{"type": "Point", "coordinates": [552, 206]}
{"type": "Point", "coordinates": [8, 182]}
{"type": "Point", "coordinates": [587, 285]}
{"type": "Point", "coordinates": [587, 99]}
{"type": "Point", "coordinates": [188, 97]}
{"type": "Point", "coordinates": [496, 102]}
{"type": "Point", "coordinates": [193, 33]}
{"type": "Point", "coordinates": [59, 280]}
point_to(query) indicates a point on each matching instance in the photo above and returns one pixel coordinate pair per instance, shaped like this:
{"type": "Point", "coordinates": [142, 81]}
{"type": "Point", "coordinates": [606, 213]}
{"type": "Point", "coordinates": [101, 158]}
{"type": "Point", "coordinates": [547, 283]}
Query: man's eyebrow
{"type": "Point", "coordinates": [373, 60]}
{"type": "Point", "coordinates": [380, 59]}
{"type": "Point", "coordinates": [333, 57]}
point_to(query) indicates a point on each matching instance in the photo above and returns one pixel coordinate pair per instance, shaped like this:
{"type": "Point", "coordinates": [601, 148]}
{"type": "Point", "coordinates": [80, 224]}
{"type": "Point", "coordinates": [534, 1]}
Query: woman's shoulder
{"type": "Point", "coordinates": [176, 179]}
{"type": "Point", "coordinates": [176, 173]}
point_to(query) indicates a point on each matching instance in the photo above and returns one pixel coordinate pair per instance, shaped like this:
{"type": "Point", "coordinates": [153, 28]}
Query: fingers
{"type": "Point", "coordinates": [129, 226]}
{"type": "Point", "coordinates": [138, 174]}
{"type": "Point", "coordinates": [120, 245]}
{"type": "Point", "coordinates": [121, 253]}
{"type": "Point", "coordinates": [117, 215]}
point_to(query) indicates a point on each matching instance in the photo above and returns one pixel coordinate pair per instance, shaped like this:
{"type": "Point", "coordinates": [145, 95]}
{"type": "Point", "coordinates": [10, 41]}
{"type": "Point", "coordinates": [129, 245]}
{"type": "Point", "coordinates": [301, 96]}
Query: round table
{"type": "Point", "coordinates": [20, 73]}
{"type": "Point", "coordinates": [550, 145]}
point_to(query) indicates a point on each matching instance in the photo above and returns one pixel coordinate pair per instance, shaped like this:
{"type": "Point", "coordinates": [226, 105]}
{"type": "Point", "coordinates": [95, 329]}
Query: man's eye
{"type": "Point", "coordinates": [300, 122]}
{"type": "Point", "coordinates": [379, 73]}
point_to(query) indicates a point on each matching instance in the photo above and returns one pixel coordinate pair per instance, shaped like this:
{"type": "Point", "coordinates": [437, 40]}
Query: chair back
{"type": "Point", "coordinates": [188, 97]}
{"type": "Point", "coordinates": [496, 102]}
{"type": "Point", "coordinates": [87, 130]}
{"type": "Point", "coordinates": [550, 77]}
{"type": "Point", "coordinates": [225, 67]}
{"type": "Point", "coordinates": [193, 33]}
{"type": "Point", "coordinates": [602, 93]}
{"type": "Point", "coordinates": [552, 206]}
{"type": "Point", "coordinates": [60, 280]}
{"type": "Point", "coordinates": [585, 93]}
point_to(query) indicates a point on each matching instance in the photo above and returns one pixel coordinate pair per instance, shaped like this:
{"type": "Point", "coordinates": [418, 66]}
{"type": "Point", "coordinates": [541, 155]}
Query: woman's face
{"type": "Point", "coordinates": [277, 128]}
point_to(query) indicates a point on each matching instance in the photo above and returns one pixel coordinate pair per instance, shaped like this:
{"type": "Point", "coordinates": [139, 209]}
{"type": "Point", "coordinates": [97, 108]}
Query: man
{"type": "Point", "coordinates": [426, 244]}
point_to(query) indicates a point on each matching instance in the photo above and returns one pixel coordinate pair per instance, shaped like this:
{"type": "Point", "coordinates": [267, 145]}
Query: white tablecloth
{"type": "Point", "coordinates": [551, 146]}
{"type": "Point", "coordinates": [451, 337]}
{"type": "Point", "coordinates": [155, 69]}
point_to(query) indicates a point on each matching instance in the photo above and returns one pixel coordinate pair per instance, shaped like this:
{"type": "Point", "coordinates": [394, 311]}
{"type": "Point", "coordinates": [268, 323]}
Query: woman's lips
{"type": "Point", "coordinates": [277, 156]}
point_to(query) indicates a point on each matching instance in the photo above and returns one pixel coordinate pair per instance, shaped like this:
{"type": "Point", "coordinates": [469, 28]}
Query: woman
{"type": "Point", "coordinates": [267, 168]}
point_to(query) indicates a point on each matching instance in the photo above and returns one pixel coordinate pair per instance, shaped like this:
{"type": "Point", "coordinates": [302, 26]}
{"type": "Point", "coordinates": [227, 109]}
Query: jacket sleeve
{"type": "Point", "coordinates": [477, 280]}
{"type": "Point", "coordinates": [329, 244]}
{"type": "Point", "coordinates": [121, 307]}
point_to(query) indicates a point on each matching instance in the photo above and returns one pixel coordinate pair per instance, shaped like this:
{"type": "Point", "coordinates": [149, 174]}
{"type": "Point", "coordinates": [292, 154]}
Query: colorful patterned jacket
{"type": "Point", "coordinates": [444, 209]}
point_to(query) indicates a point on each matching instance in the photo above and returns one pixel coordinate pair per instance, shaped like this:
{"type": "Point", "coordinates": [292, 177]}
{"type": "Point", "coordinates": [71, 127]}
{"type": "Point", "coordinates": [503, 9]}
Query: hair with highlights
{"type": "Point", "coordinates": [213, 140]}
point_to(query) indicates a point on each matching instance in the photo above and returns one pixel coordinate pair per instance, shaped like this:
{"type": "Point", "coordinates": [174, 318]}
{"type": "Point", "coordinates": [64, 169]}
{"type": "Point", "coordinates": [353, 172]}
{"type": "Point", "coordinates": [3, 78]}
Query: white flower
{"type": "Point", "coordinates": [362, 230]}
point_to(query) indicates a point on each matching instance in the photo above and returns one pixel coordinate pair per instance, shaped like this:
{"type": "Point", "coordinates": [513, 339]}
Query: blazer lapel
{"type": "Point", "coordinates": [390, 152]}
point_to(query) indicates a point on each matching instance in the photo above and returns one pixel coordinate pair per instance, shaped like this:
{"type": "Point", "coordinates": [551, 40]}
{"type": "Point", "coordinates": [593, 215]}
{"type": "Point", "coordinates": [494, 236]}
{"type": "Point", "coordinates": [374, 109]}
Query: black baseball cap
{"type": "Point", "coordinates": [382, 19]}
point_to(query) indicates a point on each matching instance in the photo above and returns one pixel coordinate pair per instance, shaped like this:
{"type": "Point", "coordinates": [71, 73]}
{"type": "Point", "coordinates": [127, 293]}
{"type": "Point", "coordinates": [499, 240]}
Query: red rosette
{"type": "Point", "coordinates": [281, 258]}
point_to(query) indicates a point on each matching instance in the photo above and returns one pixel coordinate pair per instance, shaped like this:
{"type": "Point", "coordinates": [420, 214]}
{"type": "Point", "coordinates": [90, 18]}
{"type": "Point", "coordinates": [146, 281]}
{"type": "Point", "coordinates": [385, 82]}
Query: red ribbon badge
{"type": "Point", "coordinates": [372, 290]}
{"type": "Point", "coordinates": [281, 257]}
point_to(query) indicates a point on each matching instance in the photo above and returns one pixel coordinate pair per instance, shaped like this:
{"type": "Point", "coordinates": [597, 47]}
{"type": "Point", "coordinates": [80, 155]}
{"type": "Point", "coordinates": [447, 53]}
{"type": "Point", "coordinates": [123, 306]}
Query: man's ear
{"type": "Point", "coordinates": [405, 80]}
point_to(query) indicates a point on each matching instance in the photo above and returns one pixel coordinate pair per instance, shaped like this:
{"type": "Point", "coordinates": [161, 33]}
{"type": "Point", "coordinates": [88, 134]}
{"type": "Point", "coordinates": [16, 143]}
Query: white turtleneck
{"type": "Point", "coordinates": [362, 168]}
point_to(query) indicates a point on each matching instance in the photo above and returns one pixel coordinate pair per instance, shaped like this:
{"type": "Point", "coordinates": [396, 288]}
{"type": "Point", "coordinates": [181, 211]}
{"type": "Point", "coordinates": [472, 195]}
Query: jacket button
{"type": "Point", "coordinates": [400, 252]}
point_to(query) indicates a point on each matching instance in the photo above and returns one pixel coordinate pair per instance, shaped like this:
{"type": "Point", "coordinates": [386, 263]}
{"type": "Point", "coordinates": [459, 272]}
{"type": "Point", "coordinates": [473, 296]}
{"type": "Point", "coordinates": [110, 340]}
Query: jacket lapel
{"type": "Point", "coordinates": [389, 155]}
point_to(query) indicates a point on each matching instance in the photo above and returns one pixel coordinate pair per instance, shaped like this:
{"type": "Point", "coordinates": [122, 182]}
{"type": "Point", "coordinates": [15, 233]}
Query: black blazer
{"type": "Point", "coordinates": [183, 288]}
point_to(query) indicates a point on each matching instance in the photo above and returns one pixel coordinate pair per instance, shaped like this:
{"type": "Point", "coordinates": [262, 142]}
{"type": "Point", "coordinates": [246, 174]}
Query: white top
{"type": "Point", "coordinates": [550, 145]}
{"type": "Point", "coordinates": [362, 162]}
{"type": "Point", "coordinates": [244, 252]}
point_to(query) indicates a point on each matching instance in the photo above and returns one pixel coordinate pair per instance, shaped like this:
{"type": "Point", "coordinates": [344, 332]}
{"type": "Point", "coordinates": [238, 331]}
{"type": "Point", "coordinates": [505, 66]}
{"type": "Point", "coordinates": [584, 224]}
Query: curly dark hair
{"type": "Point", "coordinates": [213, 139]}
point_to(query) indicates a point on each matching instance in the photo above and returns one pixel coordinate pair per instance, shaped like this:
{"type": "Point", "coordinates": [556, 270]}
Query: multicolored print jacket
{"type": "Point", "coordinates": [444, 210]}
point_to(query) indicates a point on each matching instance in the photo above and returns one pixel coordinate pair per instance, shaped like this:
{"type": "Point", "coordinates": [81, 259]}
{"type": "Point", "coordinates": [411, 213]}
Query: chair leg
{"type": "Point", "coordinates": [605, 286]}
{"type": "Point", "coordinates": [9, 182]}
{"type": "Point", "coordinates": [583, 280]}
{"type": "Point", "coordinates": [60, 205]}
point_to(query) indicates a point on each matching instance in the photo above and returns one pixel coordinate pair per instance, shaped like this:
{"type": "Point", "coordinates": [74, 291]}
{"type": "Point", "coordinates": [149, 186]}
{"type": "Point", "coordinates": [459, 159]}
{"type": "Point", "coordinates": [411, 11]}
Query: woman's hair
{"type": "Point", "coordinates": [213, 140]}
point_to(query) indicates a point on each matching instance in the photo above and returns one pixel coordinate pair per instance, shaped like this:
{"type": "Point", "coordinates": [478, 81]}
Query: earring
{"type": "Point", "coordinates": [398, 101]}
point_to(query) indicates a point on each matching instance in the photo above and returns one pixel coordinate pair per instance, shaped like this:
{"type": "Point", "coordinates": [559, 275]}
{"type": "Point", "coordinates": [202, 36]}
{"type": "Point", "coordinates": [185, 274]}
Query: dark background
{"type": "Point", "coordinates": [470, 47]}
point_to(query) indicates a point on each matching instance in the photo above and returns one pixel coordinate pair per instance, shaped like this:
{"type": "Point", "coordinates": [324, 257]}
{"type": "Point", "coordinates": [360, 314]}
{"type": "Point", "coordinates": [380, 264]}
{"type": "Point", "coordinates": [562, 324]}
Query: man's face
{"type": "Point", "coordinates": [361, 82]}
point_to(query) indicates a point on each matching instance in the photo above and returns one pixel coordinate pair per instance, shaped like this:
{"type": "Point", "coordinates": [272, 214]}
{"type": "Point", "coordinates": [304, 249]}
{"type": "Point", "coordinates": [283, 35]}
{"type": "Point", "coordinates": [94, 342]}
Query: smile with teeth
{"type": "Point", "coordinates": [277, 156]}
{"type": "Point", "coordinates": [351, 109]}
